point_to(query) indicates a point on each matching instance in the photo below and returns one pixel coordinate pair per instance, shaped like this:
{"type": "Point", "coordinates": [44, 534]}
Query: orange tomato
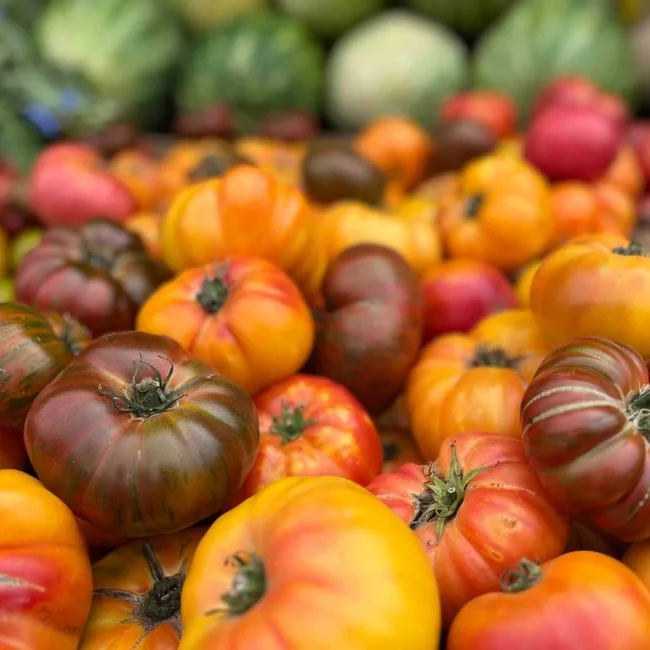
{"type": "Point", "coordinates": [637, 558]}
{"type": "Point", "coordinates": [281, 158]}
{"type": "Point", "coordinates": [148, 225]}
{"type": "Point", "coordinates": [137, 594]}
{"type": "Point", "coordinates": [399, 147]}
{"type": "Point", "coordinates": [626, 173]}
{"type": "Point", "coordinates": [474, 381]}
{"type": "Point", "coordinates": [617, 210]}
{"type": "Point", "coordinates": [501, 214]}
{"type": "Point", "coordinates": [409, 230]}
{"type": "Point", "coordinates": [45, 576]}
{"type": "Point", "coordinates": [524, 282]}
{"type": "Point", "coordinates": [245, 317]}
{"type": "Point", "coordinates": [246, 212]}
{"type": "Point", "coordinates": [139, 172]}
{"type": "Point", "coordinates": [597, 286]}
{"type": "Point", "coordinates": [310, 564]}
{"type": "Point", "coordinates": [578, 600]}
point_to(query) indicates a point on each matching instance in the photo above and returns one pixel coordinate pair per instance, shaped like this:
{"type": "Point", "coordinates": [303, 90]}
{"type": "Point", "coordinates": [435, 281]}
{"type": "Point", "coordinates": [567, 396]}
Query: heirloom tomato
{"type": "Point", "coordinates": [310, 564]}
{"type": "Point", "coordinates": [399, 147]}
{"type": "Point", "coordinates": [283, 159]}
{"type": "Point", "coordinates": [626, 173]}
{"type": "Point", "coordinates": [475, 380]}
{"type": "Point", "coordinates": [147, 225]}
{"type": "Point", "coordinates": [595, 286]}
{"type": "Point", "coordinates": [139, 437]}
{"type": "Point", "coordinates": [32, 353]}
{"type": "Point", "coordinates": [475, 510]}
{"type": "Point", "coordinates": [501, 214]}
{"type": "Point", "coordinates": [524, 282]}
{"type": "Point", "coordinates": [583, 538]}
{"type": "Point", "coordinates": [12, 449]}
{"type": "Point", "coordinates": [312, 426]}
{"type": "Point", "coordinates": [100, 274]}
{"type": "Point", "coordinates": [370, 328]}
{"type": "Point", "coordinates": [492, 109]}
{"type": "Point", "coordinates": [246, 212]}
{"type": "Point", "coordinates": [578, 600]}
{"type": "Point", "coordinates": [139, 172]}
{"type": "Point", "coordinates": [137, 595]}
{"type": "Point", "coordinates": [399, 449]}
{"type": "Point", "coordinates": [637, 558]}
{"type": "Point", "coordinates": [585, 420]}
{"type": "Point", "coordinates": [45, 577]}
{"type": "Point", "coordinates": [243, 316]}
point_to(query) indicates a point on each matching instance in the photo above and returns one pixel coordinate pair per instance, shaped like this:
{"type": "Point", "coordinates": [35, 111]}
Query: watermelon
{"type": "Point", "coordinates": [202, 15]}
{"type": "Point", "coordinates": [257, 65]}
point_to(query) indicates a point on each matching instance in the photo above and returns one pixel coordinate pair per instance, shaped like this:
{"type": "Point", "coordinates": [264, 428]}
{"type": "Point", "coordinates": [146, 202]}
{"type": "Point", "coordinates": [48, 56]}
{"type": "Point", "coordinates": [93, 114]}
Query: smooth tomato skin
{"type": "Point", "coordinates": [133, 571]}
{"type": "Point", "coordinates": [578, 418]}
{"type": "Point", "coordinates": [45, 576]}
{"type": "Point", "coordinates": [492, 109]}
{"type": "Point", "coordinates": [585, 289]}
{"type": "Point", "coordinates": [458, 293]}
{"type": "Point", "coordinates": [98, 539]}
{"type": "Point", "coordinates": [262, 333]}
{"type": "Point", "coordinates": [12, 450]}
{"type": "Point", "coordinates": [340, 439]}
{"type": "Point", "coordinates": [583, 600]}
{"type": "Point", "coordinates": [342, 572]}
{"type": "Point", "coordinates": [505, 515]}
{"type": "Point", "coordinates": [196, 452]}
{"type": "Point", "coordinates": [69, 186]}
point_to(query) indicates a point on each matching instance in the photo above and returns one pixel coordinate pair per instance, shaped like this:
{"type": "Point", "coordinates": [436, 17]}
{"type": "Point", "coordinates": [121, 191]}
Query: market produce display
{"type": "Point", "coordinates": [324, 326]}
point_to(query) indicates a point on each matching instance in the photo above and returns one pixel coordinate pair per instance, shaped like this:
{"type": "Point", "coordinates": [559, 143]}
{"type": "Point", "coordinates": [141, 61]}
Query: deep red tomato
{"type": "Point", "coordinates": [139, 438]}
{"type": "Point", "coordinates": [312, 426]}
{"type": "Point", "coordinates": [12, 450]}
{"type": "Point", "coordinates": [100, 274]}
{"type": "Point", "coordinates": [585, 419]}
{"type": "Point", "coordinates": [577, 601]}
{"type": "Point", "coordinates": [476, 511]}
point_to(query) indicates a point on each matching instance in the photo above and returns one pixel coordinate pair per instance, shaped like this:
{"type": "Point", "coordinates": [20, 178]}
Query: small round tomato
{"type": "Point", "coordinates": [595, 286]}
{"type": "Point", "coordinates": [312, 426]}
{"type": "Point", "coordinates": [172, 440]}
{"type": "Point", "coordinates": [475, 380]}
{"type": "Point", "coordinates": [457, 294]}
{"type": "Point", "coordinates": [585, 426]}
{"type": "Point", "coordinates": [244, 316]}
{"type": "Point", "coordinates": [399, 449]}
{"type": "Point", "coordinates": [475, 511]}
{"type": "Point", "coordinates": [310, 564]}
{"type": "Point", "coordinates": [137, 594]}
{"type": "Point", "coordinates": [579, 600]}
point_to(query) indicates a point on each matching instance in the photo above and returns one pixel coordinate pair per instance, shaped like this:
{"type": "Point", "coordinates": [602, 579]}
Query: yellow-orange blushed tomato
{"type": "Point", "coordinates": [310, 564]}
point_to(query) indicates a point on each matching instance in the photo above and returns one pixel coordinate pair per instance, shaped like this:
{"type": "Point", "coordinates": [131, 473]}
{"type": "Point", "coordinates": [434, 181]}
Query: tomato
{"type": "Point", "coordinates": [399, 449]}
{"type": "Point", "coordinates": [45, 577]}
{"type": "Point", "coordinates": [137, 595]}
{"type": "Point", "coordinates": [100, 274]}
{"type": "Point", "coordinates": [22, 244]}
{"type": "Point", "coordinates": [595, 287]}
{"type": "Point", "coordinates": [312, 426]}
{"type": "Point", "coordinates": [31, 355]}
{"type": "Point", "coordinates": [172, 439]}
{"type": "Point", "coordinates": [637, 558]}
{"type": "Point", "coordinates": [72, 334]}
{"type": "Point", "coordinates": [370, 327]}
{"type": "Point", "coordinates": [475, 510]}
{"type": "Point", "coordinates": [475, 380]}
{"type": "Point", "coordinates": [524, 282]}
{"type": "Point", "coordinates": [583, 538]}
{"type": "Point", "coordinates": [139, 172]}
{"type": "Point", "coordinates": [244, 316]}
{"type": "Point", "coordinates": [98, 539]}
{"type": "Point", "coordinates": [492, 109]}
{"type": "Point", "coordinates": [12, 450]}
{"type": "Point", "coordinates": [246, 212]}
{"type": "Point", "coordinates": [283, 159]}
{"type": "Point", "coordinates": [457, 294]}
{"type": "Point", "coordinates": [501, 214]}
{"type": "Point", "coordinates": [626, 172]}
{"type": "Point", "coordinates": [578, 600]}
{"type": "Point", "coordinates": [585, 422]}
{"type": "Point", "coordinates": [147, 225]}
{"type": "Point", "coordinates": [310, 564]}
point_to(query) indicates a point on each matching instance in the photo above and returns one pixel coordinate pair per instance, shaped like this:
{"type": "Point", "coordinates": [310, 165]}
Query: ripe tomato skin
{"type": "Point", "coordinates": [499, 512]}
{"type": "Point", "coordinates": [582, 600]}
{"type": "Point", "coordinates": [132, 452]}
{"type": "Point", "coordinates": [312, 426]}
{"type": "Point", "coordinates": [584, 420]}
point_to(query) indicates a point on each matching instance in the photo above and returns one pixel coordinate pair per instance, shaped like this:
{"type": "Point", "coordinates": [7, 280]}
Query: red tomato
{"type": "Point", "coordinates": [494, 110]}
{"type": "Point", "coordinates": [476, 511]}
{"type": "Point", "coordinates": [578, 601]}
{"type": "Point", "coordinates": [312, 426]}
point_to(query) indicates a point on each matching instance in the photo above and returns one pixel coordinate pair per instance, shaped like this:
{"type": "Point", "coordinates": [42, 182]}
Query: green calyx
{"type": "Point", "coordinates": [521, 577]}
{"type": "Point", "coordinates": [291, 423]}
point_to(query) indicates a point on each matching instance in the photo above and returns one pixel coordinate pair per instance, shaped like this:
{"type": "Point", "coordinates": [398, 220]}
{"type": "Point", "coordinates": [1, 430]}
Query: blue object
{"type": "Point", "coordinates": [70, 100]}
{"type": "Point", "coordinates": [43, 119]}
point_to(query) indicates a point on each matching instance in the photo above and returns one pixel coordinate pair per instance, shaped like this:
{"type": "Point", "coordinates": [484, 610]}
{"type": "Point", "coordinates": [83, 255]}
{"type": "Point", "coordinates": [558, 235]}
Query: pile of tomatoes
{"type": "Point", "coordinates": [386, 391]}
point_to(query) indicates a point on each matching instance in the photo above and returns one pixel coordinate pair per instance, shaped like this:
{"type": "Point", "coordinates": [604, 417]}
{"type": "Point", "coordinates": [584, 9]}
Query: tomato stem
{"type": "Point", "coordinates": [210, 166]}
{"type": "Point", "coordinates": [631, 250]}
{"type": "Point", "coordinates": [214, 292]}
{"type": "Point", "coordinates": [248, 585]}
{"type": "Point", "coordinates": [494, 357]}
{"type": "Point", "coordinates": [164, 599]}
{"type": "Point", "coordinates": [97, 258]}
{"type": "Point", "coordinates": [442, 498]}
{"type": "Point", "coordinates": [473, 205]}
{"type": "Point", "coordinates": [521, 577]}
{"type": "Point", "coordinates": [291, 423]}
{"type": "Point", "coordinates": [638, 410]}
{"type": "Point", "coordinates": [147, 396]}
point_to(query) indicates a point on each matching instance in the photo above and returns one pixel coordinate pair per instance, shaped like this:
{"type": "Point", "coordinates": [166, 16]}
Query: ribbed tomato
{"type": "Point", "coordinates": [586, 421]}
{"type": "Point", "coordinates": [140, 438]}
{"type": "Point", "coordinates": [476, 511]}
